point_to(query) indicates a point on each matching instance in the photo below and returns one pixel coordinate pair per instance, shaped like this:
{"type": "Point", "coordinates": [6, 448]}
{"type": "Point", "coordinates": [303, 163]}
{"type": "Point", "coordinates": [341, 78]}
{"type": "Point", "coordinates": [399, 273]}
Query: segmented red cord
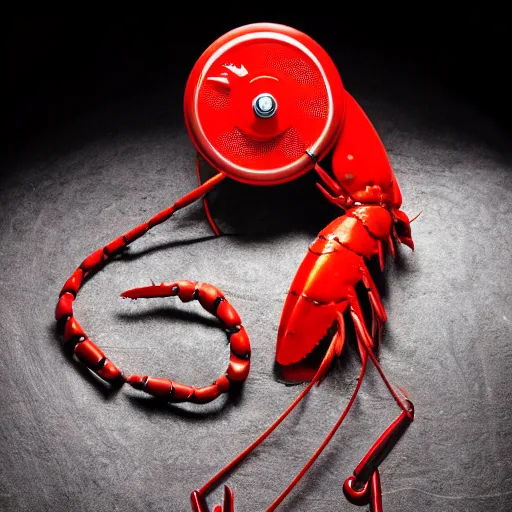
{"type": "Point", "coordinates": [206, 206]}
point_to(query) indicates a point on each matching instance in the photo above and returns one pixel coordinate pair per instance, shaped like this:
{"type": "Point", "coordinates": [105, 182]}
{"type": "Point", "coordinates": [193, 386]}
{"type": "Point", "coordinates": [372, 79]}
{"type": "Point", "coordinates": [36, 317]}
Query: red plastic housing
{"type": "Point", "coordinates": [277, 62]}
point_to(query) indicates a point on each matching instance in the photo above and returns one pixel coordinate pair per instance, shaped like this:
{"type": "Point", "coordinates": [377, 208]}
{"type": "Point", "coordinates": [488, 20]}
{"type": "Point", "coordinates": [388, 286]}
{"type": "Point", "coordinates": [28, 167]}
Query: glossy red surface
{"type": "Point", "coordinates": [264, 59]}
{"type": "Point", "coordinates": [370, 493]}
{"type": "Point", "coordinates": [376, 493]}
{"type": "Point", "coordinates": [365, 187]}
{"type": "Point", "coordinates": [356, 496]}
{"type": "Point", "coordinates": [72, 285]}
{"type": "Point", "coordinates": [110, 372]}
{"type": "Point", "coordinates": [73, 330]}
{"type": "Point", "coordinates": [384, 444]}
{"type": "Point", "coordinates": [89, 353]}
{"type": "Point", "coordinates": [360, 160]}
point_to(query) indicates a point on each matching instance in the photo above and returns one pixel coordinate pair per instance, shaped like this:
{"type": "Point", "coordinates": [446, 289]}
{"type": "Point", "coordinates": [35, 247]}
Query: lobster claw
{"type": "Point", "coordinates": [199, 503]}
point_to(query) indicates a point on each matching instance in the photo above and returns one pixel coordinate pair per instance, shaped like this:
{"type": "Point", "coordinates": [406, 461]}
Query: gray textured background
{"type": "Point", "coordinates": [67, 444]}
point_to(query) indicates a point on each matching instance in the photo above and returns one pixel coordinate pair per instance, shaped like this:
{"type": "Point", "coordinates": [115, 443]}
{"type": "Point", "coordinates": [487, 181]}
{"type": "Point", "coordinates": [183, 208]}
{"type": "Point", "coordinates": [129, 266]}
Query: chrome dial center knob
{"type": "Point", "coordinates": [264, 105]}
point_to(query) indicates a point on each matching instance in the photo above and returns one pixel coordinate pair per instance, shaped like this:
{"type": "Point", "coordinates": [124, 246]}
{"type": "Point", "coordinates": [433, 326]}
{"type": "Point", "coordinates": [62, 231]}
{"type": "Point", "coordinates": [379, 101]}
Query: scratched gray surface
{"type": "Point", "coordinates": [67, 444]}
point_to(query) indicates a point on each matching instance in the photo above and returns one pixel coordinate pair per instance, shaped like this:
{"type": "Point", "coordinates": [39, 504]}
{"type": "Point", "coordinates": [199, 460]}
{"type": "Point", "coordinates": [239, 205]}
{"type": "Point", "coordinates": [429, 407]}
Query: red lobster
{"type": "Point", "coordinates": [324, 288]}
{"type": "Point", "coordinates": [323, 292]}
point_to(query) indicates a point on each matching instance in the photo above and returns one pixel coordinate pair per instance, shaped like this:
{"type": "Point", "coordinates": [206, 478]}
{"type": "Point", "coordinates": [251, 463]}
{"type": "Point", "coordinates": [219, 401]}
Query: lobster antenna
{"type": "Point", "coordinates": [415, 217]}
{"type": "Point", "coordinates": [335, 347]}
{"type": "Point", "coordinates": [325, 442]}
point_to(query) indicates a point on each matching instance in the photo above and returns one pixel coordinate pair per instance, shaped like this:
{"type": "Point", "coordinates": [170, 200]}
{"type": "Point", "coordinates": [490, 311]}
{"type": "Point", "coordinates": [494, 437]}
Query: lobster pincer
{"type": "Point", "coordinates": [199, 503]}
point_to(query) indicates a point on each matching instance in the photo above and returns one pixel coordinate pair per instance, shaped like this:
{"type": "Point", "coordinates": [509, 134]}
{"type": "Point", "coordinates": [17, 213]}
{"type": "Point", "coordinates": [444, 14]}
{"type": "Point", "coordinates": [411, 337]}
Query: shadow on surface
{"type": "Point", "coordinates": [170, 314]}
{"type": "Point", "coordinates": [259, 212]}
{"type": "Point", "coordinates": [199, 412]}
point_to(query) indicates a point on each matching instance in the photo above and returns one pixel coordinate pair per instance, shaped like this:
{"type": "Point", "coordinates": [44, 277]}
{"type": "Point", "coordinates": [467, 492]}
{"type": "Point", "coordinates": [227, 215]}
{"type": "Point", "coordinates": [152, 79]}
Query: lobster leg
{"type": "Point", "coordinates": [369, 493]}
{"type": "Point", "coordinates": [379, 315]}
{"type": "Point", "coordinates": [75, 338]}
{"type": "Point", "coordinates": [206, 206]}
{"type": "Point", "coordinates": [386, 441]}
{"type": "Point", "coordinates": [213, 301]}
{"type": "Point", "coordinates": [365, 342]}
{"type": "Point", "coordinates": [341, 195]}
{"type": "Point", "coordinates": [329, 436]}
{"type": "Point", "coordinates": [375, 493]}
{"type": "Point", "coordinates": [373, 295]}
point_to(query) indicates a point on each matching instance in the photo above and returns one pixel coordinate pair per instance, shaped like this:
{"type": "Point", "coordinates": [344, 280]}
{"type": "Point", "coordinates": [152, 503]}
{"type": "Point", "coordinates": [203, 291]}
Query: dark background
{"type": "Point", "coordinates": [60, 66]}
{"type": "Point", "coordinates": [95, 143]}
